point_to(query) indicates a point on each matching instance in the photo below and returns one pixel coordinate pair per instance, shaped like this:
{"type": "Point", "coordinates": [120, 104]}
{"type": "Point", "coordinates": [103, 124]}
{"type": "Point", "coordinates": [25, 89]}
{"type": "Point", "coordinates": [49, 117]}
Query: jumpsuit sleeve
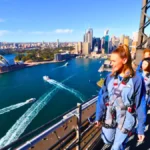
{"type": "Point", "coordinates": [139, 67]}
{"type": "Point", "coordinates": [140, 101]}
{"type": "Point", "coordinates": [100, 105]}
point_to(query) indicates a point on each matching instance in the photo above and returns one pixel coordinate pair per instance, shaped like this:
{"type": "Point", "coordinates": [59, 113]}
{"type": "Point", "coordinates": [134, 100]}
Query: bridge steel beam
{"type": "Point", "coordinates": [143, 39]}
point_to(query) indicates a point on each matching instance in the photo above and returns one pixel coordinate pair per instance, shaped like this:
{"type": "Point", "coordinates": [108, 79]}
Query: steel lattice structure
{"type": "Point", "coordinates": [144, 23]}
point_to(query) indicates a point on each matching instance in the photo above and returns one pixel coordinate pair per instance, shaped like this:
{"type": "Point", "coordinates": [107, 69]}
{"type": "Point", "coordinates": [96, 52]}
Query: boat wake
{"type": "Point", "coordinates": [12, 107]}
{"type": "Point", "coordinates": [62, 86]}
{"type": "Point", "coordinates": [66, 64]}
{"type": "Point", "coordinates": [22, 123]}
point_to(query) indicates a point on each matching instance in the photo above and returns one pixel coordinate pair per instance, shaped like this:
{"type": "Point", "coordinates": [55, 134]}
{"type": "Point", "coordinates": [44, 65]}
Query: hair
{"type": "Point", "coordinates": [145, 51]}
{"type": "Point", "coordinates": [123, 52]}
{"type": "Point", "coordinates": [148, 67]}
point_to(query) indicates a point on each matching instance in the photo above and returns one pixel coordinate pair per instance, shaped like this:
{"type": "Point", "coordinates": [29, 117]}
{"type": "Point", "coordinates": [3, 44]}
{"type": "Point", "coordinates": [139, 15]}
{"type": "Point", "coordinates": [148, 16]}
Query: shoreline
{"type": "Point", "coordinates": [41, 63]}
{"type": "Point", "coordinates": [26, 65]}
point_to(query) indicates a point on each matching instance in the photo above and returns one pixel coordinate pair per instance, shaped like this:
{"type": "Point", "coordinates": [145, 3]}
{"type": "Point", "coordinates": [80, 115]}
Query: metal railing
{"type": "Point", "coordinates": [73, 130]}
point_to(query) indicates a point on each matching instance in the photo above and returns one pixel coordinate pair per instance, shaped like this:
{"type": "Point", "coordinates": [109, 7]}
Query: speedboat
{"type": "Point", "coordinates": [66, 64]}
{"type": "Point", "coordinates": [31, 100]}
{"type": "Point", "coordinates": [46, 78]}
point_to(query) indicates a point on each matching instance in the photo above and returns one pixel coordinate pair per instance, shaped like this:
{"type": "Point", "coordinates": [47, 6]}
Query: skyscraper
{"type": "Point", "coordinates": [126, 40]}
{"type": "Point", "coordinates": [96, 44]}
{"type": "Point", "coordinates": [88, 37]}
{"type": "Point", "coordinates": [106, 43]}
{"type": "Point", "coordinates": [110, 47]}
{"type": "Point", "coordinates": [102, 42]}
{"type": "Point", "coordinates": [57, 42]}
{"type": "Point", "coordinates": [135, 36]}
{"type": "Point", "coordinates": [85, 48]}
{"type": "Point", "coordinates": [122, 39]}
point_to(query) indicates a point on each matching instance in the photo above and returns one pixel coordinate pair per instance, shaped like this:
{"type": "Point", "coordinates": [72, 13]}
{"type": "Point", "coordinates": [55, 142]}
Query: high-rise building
{"type": "Point", "coordinates": [86, 48]}
{"type": "Point", "coordinates": [122, 39]}
{"type": "Point", "coordinates": [102, 42]}
{"type": "Point", "coordinates": [78, 48]}
{"type": "Point", "coordinates": [113, 39]}
{"type": "Point", "coordinates": [115, 42]}
{"type": "Point", "coordinates": [57, 42]}
{"type": "Point", "coordinates": [135, 36]}
{"type": "Point", "coordinates": [110, 47]}
{"type": "Point", "coordinates": [126, 40]}
{"type": "Point", "coordinates": [106, 44]}
{"type": "Point", "coordinates": [88, 37]}
{"type": "Point", "coordinates": [134, 45]}
{"type": "Point", "coordinates": [96, 44]}
{"type": "Point", "coordinates": [106, 32]}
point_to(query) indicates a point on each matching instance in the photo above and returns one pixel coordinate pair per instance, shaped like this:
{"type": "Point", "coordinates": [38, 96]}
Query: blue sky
{"type": "Point", "coordinates": [66, 20]}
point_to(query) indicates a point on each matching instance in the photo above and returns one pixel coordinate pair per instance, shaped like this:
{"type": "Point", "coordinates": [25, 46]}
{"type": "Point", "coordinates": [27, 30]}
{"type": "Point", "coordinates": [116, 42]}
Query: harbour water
{"type": "Point", "coordinates": [18, 86]}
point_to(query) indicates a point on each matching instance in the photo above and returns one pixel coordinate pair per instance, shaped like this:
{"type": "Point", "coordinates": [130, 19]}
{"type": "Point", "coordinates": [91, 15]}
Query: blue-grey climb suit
{"type": "Point", "coordinates": [135, 86]}
{"type": "Point", "coordinates": [139, 67]}
{"type": "Point", "coordinates": [146, 79]}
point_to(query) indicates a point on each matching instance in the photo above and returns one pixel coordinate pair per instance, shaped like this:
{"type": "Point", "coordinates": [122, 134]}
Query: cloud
{"type": "Point", "coordinates": [3, 32]}
{"type": "Point", "coordinates": [57, 31]}
{"type": "Point", "coordinates": [63, 31]}
{"type": "Point", "coordinates": [2, 20]}
{"type": "Point", "coordinates": [38, 33]}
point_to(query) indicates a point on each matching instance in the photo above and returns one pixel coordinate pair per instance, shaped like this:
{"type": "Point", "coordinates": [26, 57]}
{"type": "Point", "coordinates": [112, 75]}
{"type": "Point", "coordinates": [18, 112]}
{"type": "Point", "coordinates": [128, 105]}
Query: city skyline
{"type": "Point", "coordinates": [21, 22]}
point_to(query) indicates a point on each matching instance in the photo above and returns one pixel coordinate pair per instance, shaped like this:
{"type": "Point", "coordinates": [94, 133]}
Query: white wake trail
{"type": "Point", "coordinates": [22, 123]}
{"type": "Point", "coordinates": [71, 90]}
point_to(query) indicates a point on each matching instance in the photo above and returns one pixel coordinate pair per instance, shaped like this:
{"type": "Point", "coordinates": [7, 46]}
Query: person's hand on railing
{"type": "Point", "coordinates": [98, 124]}
{"type": "Point", "coordinates": [141, 138]}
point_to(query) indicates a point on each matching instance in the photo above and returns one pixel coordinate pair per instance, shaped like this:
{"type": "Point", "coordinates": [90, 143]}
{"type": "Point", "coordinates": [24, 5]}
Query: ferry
{"type": "Point", "coordinates": [66, 64]}
{"type": "Point", "coordinates": [46, 78]}
{"type": "Point", "coordinates": [31, 100]}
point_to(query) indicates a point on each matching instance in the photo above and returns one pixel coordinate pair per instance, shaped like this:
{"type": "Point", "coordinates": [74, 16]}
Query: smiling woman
{"type": "Point", "coordinates": [116, 105]}
{"type": "Point", "coordinates": [121, 61]}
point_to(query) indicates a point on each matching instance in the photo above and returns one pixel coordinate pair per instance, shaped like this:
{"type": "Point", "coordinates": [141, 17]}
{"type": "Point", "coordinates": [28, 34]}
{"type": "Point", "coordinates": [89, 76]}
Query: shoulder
{"type": "Point", "coordinates": [140, 63]}
{"type": "Point", "coordinates": [137, 79]}
{"type": "Point", "coordinates": [109, 77]}
{"type": "Point", "coordinates": [138, 84]}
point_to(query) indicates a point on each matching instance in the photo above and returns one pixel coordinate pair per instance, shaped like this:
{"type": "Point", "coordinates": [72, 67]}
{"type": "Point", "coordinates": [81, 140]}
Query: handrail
{"type": "Point", "coordinates": [22, 139]}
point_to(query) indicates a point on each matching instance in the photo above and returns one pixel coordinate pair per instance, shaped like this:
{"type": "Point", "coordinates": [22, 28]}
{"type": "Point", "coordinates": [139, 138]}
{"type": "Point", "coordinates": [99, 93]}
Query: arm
{"type": "Point", "coordinates": [140, 92]}
{"type": "Point", "coordinates": [100, 106]}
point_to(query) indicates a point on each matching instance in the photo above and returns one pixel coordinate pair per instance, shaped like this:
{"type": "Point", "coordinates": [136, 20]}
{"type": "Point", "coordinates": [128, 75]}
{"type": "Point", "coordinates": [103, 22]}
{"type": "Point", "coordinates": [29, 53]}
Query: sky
{"type": "Point", "coordinates": [66, 20]}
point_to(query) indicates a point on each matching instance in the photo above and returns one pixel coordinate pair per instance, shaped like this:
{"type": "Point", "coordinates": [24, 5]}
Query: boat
{"type": "Point", "coordinates": [66, 64]}
{"type": "Point", "coordinates": [46, 78]}
{"type": "Point", "coordinates": [31, 100]}
{"type": "Point", "coordinates": [100, 82]}
{"type": "Point", "coordinates": [101, 69]}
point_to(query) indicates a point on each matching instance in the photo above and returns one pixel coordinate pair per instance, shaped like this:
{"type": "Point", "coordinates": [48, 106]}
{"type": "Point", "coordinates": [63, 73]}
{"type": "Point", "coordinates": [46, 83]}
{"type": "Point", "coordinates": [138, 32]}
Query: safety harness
{"type": "Point", "coordinates": [111, 109]}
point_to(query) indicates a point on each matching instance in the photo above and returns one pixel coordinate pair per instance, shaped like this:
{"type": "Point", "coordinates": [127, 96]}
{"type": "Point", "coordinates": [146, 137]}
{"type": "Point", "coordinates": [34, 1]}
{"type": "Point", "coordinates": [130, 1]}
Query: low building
{"type": "Point", "coordinates": [62, 56]}
{"type": "Point", "coordinates": [86, 48]}
{"type": "Point", "coordinates": [57, 57]}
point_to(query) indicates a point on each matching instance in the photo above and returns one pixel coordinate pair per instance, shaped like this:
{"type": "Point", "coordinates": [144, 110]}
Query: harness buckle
{"type": "Point", "coordinates": [117, 92]}
{"type": "Point", "coordinates": [131, 109]}
{"type": "Point", "coordinates": [130, 133]}
{"type": "Point", "coordinates": [107, 104]}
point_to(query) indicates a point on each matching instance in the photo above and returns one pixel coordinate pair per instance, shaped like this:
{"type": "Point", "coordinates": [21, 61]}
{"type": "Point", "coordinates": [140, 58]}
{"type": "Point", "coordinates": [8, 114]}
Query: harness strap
{"type": "Point", "coordinates": [118, 98]}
